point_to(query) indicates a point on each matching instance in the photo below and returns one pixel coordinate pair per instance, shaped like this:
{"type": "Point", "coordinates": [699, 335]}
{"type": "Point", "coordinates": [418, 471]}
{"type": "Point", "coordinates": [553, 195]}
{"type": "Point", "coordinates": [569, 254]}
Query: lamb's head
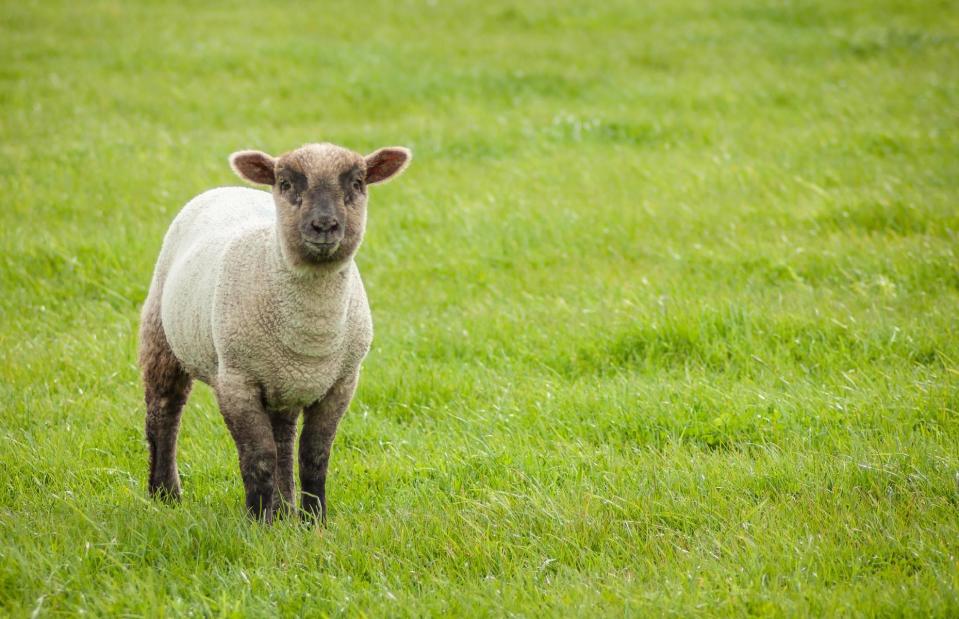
{"type": "Point", "coordinates": [320, 192]}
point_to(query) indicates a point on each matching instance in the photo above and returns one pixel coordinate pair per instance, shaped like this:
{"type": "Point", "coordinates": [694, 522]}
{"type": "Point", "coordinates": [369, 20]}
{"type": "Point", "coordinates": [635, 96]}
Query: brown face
{"type": "Point", "coordinates": [320, 192]}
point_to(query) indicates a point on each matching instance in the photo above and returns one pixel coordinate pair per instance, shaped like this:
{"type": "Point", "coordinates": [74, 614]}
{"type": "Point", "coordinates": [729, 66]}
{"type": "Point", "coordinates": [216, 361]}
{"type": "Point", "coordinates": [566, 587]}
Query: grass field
{"type": "Point", "coordinates": [666, 307]}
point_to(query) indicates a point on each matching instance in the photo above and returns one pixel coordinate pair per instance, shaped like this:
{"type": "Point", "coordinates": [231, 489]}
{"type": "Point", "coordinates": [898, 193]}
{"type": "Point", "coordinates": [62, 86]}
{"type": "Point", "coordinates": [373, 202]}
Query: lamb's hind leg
{"type": "Point", "coordinates": [167, 386]}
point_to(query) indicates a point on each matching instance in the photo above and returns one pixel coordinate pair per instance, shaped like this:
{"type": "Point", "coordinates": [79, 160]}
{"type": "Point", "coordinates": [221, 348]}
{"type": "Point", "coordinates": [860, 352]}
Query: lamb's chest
{"type": "Point", "coordinates": [299, 382]}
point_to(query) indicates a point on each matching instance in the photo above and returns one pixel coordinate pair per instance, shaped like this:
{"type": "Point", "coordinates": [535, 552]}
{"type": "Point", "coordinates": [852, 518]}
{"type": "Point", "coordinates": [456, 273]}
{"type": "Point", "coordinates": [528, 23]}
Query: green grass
{"type": "Point", "coordinates": [666, 307]}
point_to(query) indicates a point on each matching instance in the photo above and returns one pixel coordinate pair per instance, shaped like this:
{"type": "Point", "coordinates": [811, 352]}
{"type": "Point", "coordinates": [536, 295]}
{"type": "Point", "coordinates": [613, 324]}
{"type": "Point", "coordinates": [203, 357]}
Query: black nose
{"type": "Point", "coordinates": [324, 224]}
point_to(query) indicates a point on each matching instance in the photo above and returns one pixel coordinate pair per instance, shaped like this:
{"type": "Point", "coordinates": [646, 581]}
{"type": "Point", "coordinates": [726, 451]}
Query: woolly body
{"type": "Point", "coordinates": [257, 295]}
{"type": "Point", "coordinates": [231, 303]}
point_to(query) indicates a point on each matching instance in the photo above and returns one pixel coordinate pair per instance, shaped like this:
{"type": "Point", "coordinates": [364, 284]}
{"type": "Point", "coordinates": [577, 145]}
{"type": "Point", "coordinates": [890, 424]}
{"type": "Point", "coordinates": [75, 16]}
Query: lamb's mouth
{"type": "Point", "coordinates": [322, 248]}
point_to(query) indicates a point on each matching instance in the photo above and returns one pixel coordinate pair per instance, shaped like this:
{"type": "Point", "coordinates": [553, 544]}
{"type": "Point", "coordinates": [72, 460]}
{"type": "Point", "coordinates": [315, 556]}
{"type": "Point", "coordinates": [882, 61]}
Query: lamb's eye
{"type": "Point", "coordinates": [285, 185]}
{"type": "Point", "coordinates": [358, 185]}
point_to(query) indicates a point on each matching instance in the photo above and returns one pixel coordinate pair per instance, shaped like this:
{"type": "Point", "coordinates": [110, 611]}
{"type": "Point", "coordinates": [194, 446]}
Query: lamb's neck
{"type": "Point", "coordinates": [314, 304]}
{"type": "Point", "coordinates": [328, 286]}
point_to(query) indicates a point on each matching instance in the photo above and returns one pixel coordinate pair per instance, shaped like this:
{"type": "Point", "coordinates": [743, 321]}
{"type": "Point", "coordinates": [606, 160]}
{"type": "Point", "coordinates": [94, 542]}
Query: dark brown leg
{"type": "Point", "coordinates": [319, 427]}
{"type": "Point", "coordinates": [250, 426]}
{"type": "Point", "coordinates": [284, 435]}
{"type": "Point", "coordinates": [167, 386]}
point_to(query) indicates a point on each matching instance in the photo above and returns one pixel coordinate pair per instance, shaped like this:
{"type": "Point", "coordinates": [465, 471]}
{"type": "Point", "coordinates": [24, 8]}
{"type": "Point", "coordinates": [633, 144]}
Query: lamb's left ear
{"type": "Point", "coordinates": [254, 166]}
{"type": "Point", "coordinates": [386, 163]}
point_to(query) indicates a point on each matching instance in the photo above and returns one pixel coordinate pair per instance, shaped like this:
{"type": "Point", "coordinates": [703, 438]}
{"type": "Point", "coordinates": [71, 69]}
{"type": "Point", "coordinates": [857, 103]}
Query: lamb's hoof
{"type": "Point", "coordinates": [312, 514]}
{"type": "Point", "coordinates": [284, 511]}
{"type": "Point", "coordinates": [259, 507]}
{"type": "Point", "coordinates": [169, 494]}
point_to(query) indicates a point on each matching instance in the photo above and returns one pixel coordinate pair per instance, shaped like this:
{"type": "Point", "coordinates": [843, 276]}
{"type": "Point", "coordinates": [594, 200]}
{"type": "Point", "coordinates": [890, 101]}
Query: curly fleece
{"type": "Point", "coordinates": [231, 303]}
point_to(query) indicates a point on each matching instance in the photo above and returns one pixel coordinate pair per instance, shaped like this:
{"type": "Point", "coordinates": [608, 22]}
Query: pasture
{"type": "Point", "coordinates": [665, 307]}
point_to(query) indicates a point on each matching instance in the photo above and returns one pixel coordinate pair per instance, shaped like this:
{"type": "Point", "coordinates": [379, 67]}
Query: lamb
{"type": "Point", "coordinates": [257, 295]}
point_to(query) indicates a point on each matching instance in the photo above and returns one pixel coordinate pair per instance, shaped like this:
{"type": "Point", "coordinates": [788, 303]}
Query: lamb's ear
{"type": "Point", "coordinates": [386, 163]}
{"type": "Point", "coordinates": [254, 166]}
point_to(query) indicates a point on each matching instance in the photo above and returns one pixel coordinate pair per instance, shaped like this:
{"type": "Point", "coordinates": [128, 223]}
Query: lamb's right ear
{"type": "Point", "coordinates": [254, 166]}
{"type": "Point", "coordinates": [386, 163]}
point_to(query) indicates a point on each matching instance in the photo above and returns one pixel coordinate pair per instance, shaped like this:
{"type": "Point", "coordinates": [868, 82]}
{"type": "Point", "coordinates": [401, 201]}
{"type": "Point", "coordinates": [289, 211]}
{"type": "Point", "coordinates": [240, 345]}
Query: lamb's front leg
{"type": "Point", "coordinates": [284, 435]}
{"type": "Point", "coordinates": [319, 427]}
{"type": "Point", "coordinates": [249, 423]}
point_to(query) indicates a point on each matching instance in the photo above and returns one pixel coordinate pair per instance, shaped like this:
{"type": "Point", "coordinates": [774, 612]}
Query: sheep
{"type": "Point", "coordinates": [257, 294]}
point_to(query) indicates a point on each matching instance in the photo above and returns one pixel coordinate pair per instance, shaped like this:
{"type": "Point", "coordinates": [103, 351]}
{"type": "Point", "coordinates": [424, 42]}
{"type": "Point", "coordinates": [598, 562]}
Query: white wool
{"type": "Point", "coordinates": [232, 306]}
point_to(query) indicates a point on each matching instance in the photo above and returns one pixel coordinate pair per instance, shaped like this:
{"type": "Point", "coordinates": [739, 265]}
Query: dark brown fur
{"type": "Point", "coordinates": [241, 404]}
{"type": "Point", "coordinates": [319, 428]}
{"type": "Point", "coordinates": [167, 387]}
{"type": "Point", "coordinates": [284, 435]}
